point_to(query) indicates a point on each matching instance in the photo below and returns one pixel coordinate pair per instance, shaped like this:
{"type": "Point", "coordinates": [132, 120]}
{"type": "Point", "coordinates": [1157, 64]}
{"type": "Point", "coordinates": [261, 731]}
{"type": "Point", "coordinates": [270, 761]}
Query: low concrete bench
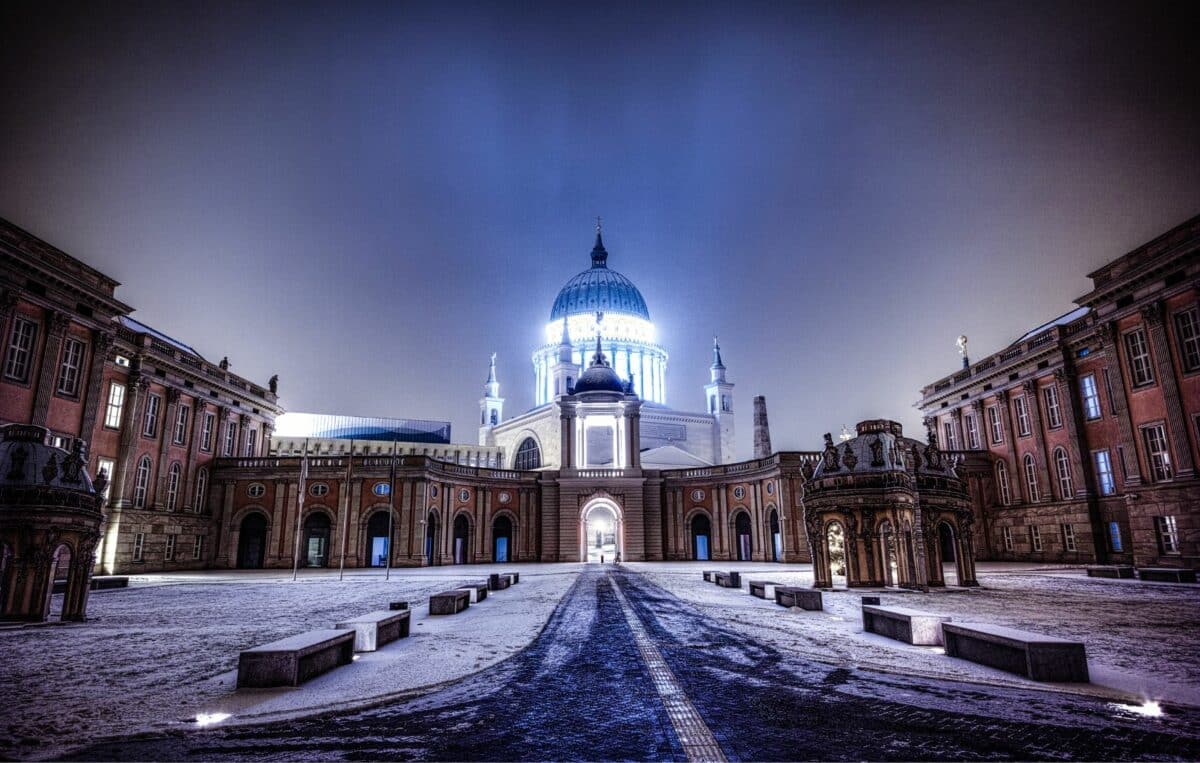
{"type": "Point", "coordinates": [710, 576]}
{"type": "Point", "coordinates": [449, 602]}
{"type": "Point", "coordinates": [477, 591]}
{"type": "Point", "coordinates": [513, 577]}
{"type": "Point", "coordinates": [803, 598]}
{"type": "Point", "coordinates": [397, 605]}
{"type": "Point", "coordinates": [99, 583]}
{"type": "Point", "coordinates": [293, 660]}
{"type": "Point", "coordinates": [763, 589]}
{"type": "Point", "coordinates": [1110, 571]}
{"type": "Point", "coordinates": [728, 579]}
{"type": "Point", "coordinates": [375, 629]}
{"type": "Point", "coordinates": [497, 582]}
{"type": "Point", "coordinates": [1167, 574]}
{"type": "Point", "coordinates": [1042, 658]}
{"type": "Point", "coordinates": [908, 625]}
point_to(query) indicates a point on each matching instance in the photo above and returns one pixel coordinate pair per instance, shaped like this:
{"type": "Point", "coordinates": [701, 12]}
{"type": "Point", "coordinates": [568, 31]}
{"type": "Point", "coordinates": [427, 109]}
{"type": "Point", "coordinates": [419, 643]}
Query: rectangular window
{"type": "Point", "coordinates": [139, 543]}
{"type": "Point", "coordinates": [1104, 474]}
{"type": "Point", "coordinates": [1155, 438]}
{"type": "Point", "coordinates": [230, 438]}
{"type": "Point", "coordinates": [1114, 536]}
{"type": "Point", "coordinates": [1053, 411]}
{"type": "Point", "coordinates": [1187, 333]}
{"type": "Point", "coordinates": [20, 350]}
{"type": "Point", "coordinates": [1091, 398]}
{"type": "Point", "coordinates": [1138, 354]}
{"type": "Point", "coordinates": [150, 422]}
{"type": "Point", "coordinates": [198, 547]}
{"type": "Point", "coordinates": [181, 419]}
{"type": "Point", "coordinates": [993, 413]}
{"type": "Point", "coordinates": [169, 555]}
{"type": "Point", "coordinates": [251, 443]}
{"type": "Point", "coordinates": [116, 401]}
{"type": "Point", "coordinates": [1068, 533]}
{"type": "Point", "coordinates": [68, 372]}
{"type": "Point", "coordinates": [1035, 537]}
{"type": "Point", "coordinates": [206, 433]}
{"type": "Point", "coordinates": [972, 427]}
{"type": "Point", "coordinates": [951, 436]}
{"type": "Point", "coordinates": [1008, 539]}
{"type": "Point", "coordinates": [1022, 416]}
{"type": "Point", "coordinates": [1168, 535]}
{"type": "Point", "coordinates": [108, 466]}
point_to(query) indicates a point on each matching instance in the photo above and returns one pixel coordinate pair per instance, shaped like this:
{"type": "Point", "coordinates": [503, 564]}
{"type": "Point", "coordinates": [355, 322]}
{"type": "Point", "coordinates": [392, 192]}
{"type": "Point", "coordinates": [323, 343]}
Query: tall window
{"type": "Point", "coordinates": [68, 372]}
{"type": "Point", "coordinates": [139, 546]}
{"type": "Point", "coordinates": [1006, 533]}
{"type": "Point", "coordinates": [206, 432]}
{"type": "Point", "coordinates": [198, 547]}
{"type": "Point", "coordinates": [201, 489]}
{"type": "Point", "coordinates": [993, 413]}
{"type": "Point", "coordinates": [1002, 484]}
{"type": "Point", "coordinates": [1138, 353]}
{"type": "Point", "coordinates": [1035, 537]}
{"type": "Point", "coordinates": [1062, 465]}
{"type": "Point", "coordinates": [116, 401]}
{"type": "Point", "coordinates": [1091, 398]}
{"type": "Point", "coordinates": [972, 427]}
{"type": "Point", "coordinates": [1187, 332]}
{"type": "Point", "coordinates": [1104, 472]}
{"type": "Point", "coordinates": [951, 438]}
{"type": "Point", "coordinates": [173, 486]}
{"type": "Point", "coordinates": [20, 350]}
{"type": "Point", "coordinates": [181, 419]}
{"type": "Point", "coordinates": [1022, 416]}
{"type": "Point", "coordinates": [230, 437]}
{"type": "Point", "coordinates": [1053, 411]}
{"type": "Point", "coordinates": [1068, 534]}
{"type": "Point", "coordinates": [169, 554]}
{"type": "Point", "coordinates": [1031, 478]}
{"type": "Point", "coordinates": [251, 443]}
{"type": "Point", "coordinates": [529, 456]}
{"type": "Point", "coordinates": [1114, 536]}
{"type": "Point", "coordinates": [150, 422]}
{"type": "Point", "coordinates": [108, 466]}
{"type": "Point", "coordinates": [1168, 535]}
{"type": "Point", "coordinates": [141, 482]}
{"type": "Point", "coordinates": [1155, 438]}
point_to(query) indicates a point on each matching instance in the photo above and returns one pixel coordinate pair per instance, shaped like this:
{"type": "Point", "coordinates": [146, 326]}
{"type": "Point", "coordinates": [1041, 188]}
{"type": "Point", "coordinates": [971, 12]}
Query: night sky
{"type": "Point", "coordinates": [369, 200]}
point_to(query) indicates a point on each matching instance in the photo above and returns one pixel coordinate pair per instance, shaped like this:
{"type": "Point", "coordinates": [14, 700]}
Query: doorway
{"type": "Point", "coordinates": [377, 540]}
{"type": "Point", "coordinates": [601, 532]}
{"type": "Point", "coordinates": [701, 533]}
{"type": "Point", "coordinates": [316, 540]}
{"type": "Point", "coordinates": [252, 542]}
{"type": "Point", "coordinates": [462, 539]}
{"type": "Point", "coordinates": [741, 534]}
{"type": "Point", "coordinates": [502, 534]}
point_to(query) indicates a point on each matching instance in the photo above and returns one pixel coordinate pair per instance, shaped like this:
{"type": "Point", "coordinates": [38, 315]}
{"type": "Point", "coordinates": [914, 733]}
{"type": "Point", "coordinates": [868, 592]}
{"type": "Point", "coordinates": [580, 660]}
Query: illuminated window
{"type": "Point", "coordinates": [116, 402]}
{"type": "Point", "coordinates": [1155, 438]}
{"type": "Point", "coordinates": [108, 466]}
{"type": "Point", "coordinates": [1114, 536]}
{"type": "Point", "coordinates": [1168, 535]}
{"type": "Point", "coordinates": [1091, 398]}
{"type": "Point", "coordinates": [1104, 473]}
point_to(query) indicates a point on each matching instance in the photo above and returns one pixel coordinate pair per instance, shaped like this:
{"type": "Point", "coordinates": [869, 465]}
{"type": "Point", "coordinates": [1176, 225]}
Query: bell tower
{"type": "Point", "coordinates": [564, 373]}
{"type": "Point", "coordinates": [719, 394]}
{"type": "Point", "coordinates": [491, 405]}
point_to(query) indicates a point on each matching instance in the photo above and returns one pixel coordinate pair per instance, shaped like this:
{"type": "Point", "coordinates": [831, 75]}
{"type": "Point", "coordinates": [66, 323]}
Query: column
{"type": "Point", "coordinates": [1133, 465]}
{"type": "Point", "coordinates": [48, 369]}
{"type": "Point", "coordinates": [165, 433]}
{"type": "Point", "coordinates": [1177, 426]}
{"type": "Point", "coordinates": [1040, 456]}
{"type": "Point", "coordinates": [956, 417]}
{"type": "Point", "coordinates": [101, 341]}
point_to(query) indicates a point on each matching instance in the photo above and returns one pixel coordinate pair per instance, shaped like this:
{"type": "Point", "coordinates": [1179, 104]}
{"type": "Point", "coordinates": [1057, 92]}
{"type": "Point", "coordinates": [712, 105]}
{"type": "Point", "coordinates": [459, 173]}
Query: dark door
{"type": "Point", "coordinates": [252, 542]}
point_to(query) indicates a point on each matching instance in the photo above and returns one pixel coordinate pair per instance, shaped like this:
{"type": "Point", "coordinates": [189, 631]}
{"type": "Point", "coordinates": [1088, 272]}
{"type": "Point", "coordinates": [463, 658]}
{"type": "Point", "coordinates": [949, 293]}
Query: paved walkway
{"type": "Point", "coordinates": [624, 670]}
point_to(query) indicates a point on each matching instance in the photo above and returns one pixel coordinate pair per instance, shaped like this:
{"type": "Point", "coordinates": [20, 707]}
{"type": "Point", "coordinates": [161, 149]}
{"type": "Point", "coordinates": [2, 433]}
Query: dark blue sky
{"type": "Point", "coordinates": [369, 199]}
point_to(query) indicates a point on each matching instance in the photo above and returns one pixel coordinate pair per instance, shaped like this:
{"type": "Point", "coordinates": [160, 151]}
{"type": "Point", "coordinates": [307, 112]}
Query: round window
{"type": "Point", "coordinates": [504, 498]}
{"type": "Point", "coordinates": [319, 489]}
{"type": "Point", "coordinates": [739, 492]}
{"type": "Point", "coordinates": [381, 488]}
{"type": "Point", "coordinates": [464, 495]}
{"type": "Point", "coordinates": [256, 490]}
{"type": "Point", "coordinates": [770, 488]}
{"type": "Point", "coordinates": [433, 491]}
{"type": "Point", "coordinates": [697, 495]}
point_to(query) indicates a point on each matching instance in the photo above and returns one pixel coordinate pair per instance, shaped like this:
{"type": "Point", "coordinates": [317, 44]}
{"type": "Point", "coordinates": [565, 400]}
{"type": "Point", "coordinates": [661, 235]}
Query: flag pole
{"type": "Point", "coordinates": [387, 574]}
{"type": "Point", "coordinates": [300, 510]}
{"type": "Point", "coordinates": [346, 522]}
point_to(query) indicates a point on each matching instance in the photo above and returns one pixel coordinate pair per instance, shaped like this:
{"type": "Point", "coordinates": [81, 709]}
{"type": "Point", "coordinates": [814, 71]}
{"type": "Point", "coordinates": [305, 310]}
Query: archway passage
{"type": "Point", "coordinates": [946, 543]}
{"type": "Point", "coordinates": [741, 533]}
{"type": "Point", "coordinates": [837, 549]}
{"type": "Point", "coordinates": [889, 555]}
{"type": "Point", "coordinates": [431, 537]}
{"type": "Point", "coordinates": [601, 530]}
{"type": "Point", "coordinates": [701, 537]}
{"type": "Point", "coordinates": [502, 540]}
{"type": "Point", "coordinates": [462, 539]}
{"type": "Point", "coordinates": [252, 542]}
{"type": "Point", "coordinates": [60, 575]}
{"type": "Point", "coordinates": [377, 540]}
{"type": "Point", "coordinates": [316, 540]}
{"type": "Point", "coordinates": [776, 537]}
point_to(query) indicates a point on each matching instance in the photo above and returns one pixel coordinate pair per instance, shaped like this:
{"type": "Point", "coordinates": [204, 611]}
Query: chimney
{"type": "Point", "coordinates": [762, 433]}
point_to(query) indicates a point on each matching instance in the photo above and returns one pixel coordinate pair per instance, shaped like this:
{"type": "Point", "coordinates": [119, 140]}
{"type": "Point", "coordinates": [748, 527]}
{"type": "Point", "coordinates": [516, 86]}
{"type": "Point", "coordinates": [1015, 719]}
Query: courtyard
{"type": "Point", "coordinates": [570, 664]}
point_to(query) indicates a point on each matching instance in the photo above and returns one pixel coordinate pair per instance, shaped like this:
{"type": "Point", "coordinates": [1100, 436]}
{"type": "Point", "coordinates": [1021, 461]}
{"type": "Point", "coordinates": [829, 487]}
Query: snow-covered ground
{"type": "Point", "coordinates": [164, 651]}
{"type": "Point", "coordinates": [1141, 638]}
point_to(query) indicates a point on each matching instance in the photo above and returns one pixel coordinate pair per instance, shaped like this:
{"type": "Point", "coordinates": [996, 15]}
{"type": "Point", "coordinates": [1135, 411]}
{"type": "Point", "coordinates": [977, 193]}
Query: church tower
{"type": "Point", "coordinates": [491, 405]}
{"type": "Point", "coordinates": [720, 405]}
{"type": "Point", "coordinates": [564, 372]}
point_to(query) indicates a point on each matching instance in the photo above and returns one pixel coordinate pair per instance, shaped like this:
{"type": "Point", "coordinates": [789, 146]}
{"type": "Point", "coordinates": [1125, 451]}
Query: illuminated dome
{"type": "Point", "coordinates": [599, 289]}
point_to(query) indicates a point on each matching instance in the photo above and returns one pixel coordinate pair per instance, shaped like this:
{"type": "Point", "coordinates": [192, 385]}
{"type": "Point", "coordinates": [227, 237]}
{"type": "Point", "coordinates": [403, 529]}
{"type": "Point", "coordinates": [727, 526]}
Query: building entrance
{"type": "Point", "coordinates": [601, 532]}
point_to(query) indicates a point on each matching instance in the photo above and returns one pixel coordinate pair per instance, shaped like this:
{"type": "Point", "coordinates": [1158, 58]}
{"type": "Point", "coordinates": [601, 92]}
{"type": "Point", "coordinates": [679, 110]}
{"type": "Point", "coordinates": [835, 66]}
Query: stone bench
{"type": "Point", "coordinates": [293, 660]}
{"type": "Point", "coordinates": [398, 605]}
{"type": "Point", "coordinates": [1110, 571]}
{"type": "Point", "coordinates": [803, 598]}
{"type": "Point", "coordinates": [513, 577]}
{"type": "Point", "coordinates": [375, 629]}
{"type": "Point", "coordinates": [477, 591]}
{"type": "Point", "coordinates": [728, 579]}
{"type": "Point", "coordinates": [710, 576]}
{"type": "Point", "coordinates": [763, 589]}
{"type": "Point", "coordinates": [908, 625]}
{"type": "Point", "coordinates": [1167, 574]}
{"type": "Point", "coordinates": [449, 602]}
{"type": "Point", "coordinates": [1042, 658]}
{"type": "Point", "coordinates": [497, 582]}
{"type": "Point", "coordinates": [100, 583]}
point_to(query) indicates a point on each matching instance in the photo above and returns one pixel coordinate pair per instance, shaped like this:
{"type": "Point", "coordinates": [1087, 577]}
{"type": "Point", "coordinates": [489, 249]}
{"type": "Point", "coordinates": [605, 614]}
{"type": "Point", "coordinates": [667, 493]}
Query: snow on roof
{"type": "Point", "coordinates": [141, 328]}
{"type": "Point", "coordinates": [670, 457]}
{"type": "Point", "coordinates": [1061, 320]}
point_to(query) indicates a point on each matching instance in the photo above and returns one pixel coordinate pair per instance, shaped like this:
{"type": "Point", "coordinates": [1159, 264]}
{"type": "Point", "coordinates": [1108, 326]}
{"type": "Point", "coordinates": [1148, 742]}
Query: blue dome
{"type": "Point", "coordinates": [599, 288]}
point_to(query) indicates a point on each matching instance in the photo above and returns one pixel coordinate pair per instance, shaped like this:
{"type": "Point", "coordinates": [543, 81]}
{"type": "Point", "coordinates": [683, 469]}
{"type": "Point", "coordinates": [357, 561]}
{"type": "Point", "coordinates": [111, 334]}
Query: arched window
{"type": "Point", "coordinates": [1031, 478]}
{"type": "Point", "coordinates": [529, 455]}
{"type": "Point", "coordinates": [1062, 465]}
{"type": "Point", "coordinates": [173, 486]}
{"type": "Point", "coordinates": [141, 482]}
{"type": "Point", "coordinates": [201, 489]}
{"type": "Point", "coordinates": [495, 417]}
{"type": "Point", "coordinates": [1002, 484]}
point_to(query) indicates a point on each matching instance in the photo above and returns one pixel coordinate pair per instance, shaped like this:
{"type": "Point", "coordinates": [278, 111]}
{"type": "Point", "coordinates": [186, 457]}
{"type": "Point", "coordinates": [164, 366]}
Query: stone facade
{"type": "Point", "coordinates": [1081, 438]}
